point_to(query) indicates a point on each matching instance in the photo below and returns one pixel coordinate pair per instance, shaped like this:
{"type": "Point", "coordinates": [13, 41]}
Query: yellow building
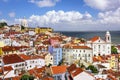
{"type": "Point", "coordinates": [43, 29]}
{"type": "Point", "coordinates": [1, 45]}
{"type": "Point", "coordinates": [114, 62]}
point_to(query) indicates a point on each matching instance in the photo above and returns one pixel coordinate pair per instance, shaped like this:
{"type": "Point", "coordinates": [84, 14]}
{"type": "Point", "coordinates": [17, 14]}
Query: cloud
{"type": "Point", "coordinates": [76, 21]}
{"type": "Point", "coordinates": [44, 3]}
{"type": "Point", "coordinates": [110, 17]}
{"type": "Point", "coordinates": [5, 0]}
{"type": "Point", "coordinates": [12, 14]}
{"type": "Point", "coordinates": [3, 20]}
{"type": "Point", "coordinates": [103, 5]}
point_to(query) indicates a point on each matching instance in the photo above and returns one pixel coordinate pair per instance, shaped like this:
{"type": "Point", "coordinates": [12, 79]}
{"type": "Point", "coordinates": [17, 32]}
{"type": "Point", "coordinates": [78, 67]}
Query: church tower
{"type": "Point", "coordinates": [24, 23]}
{"type": "Point", "coordinates": [108, 37]}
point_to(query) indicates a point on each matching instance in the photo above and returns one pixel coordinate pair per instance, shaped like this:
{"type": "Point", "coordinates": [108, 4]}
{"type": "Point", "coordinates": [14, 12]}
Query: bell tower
{"type": "Point", "coordinates": [24, 22]}
{"type": "Point", "coordinates": [108, 37]}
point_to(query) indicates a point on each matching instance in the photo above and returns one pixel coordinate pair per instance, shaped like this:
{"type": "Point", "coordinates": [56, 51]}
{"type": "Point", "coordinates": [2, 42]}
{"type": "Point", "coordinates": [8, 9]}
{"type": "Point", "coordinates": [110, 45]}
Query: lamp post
{"type": "Point", "coordinates": [1, 54]}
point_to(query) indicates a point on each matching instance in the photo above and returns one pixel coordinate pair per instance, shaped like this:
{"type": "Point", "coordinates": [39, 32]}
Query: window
{"type": "Point", "coordinates": [68, 50]}
{"type": "Point", "coordinates": [19, 64]}
{"type": "Point", "coordinates": [88, 55]}
{"type": "Point", "coordinates": [51, 58]}
{"type": "Point", "coordinates": [23, 64]}
{"type": "Point", "coordinates": [99, 46]}
{"type": "Point", "coordinates": [79, 55]}
{"type": "Point", "coordinates": [76, 51]}
{"type": "Point", "coordinates": [80, 50]}
{"type": "Point", "coordinates": [108, 38]}
{"type": "Point", "coordinates": [84, 51]}
{"type": "Point", "coordinates": [16, 65]}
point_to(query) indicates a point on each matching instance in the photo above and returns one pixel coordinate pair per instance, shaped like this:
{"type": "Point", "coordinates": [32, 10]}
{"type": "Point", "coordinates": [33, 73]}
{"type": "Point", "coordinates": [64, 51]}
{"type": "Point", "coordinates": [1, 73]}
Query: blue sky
{"type": "Point", "coordinates": [68, 15]}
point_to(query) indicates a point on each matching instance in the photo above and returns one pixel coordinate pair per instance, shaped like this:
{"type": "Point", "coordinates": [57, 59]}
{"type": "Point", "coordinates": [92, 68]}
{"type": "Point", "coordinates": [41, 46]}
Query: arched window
{"type": "Point", "coordinates": [79, 55]}
{"type": "Point", "coordinates": [108, 38]}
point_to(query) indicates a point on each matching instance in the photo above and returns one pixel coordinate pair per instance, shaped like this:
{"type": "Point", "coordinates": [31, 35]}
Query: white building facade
{"type": "Point", "coordinates": [100, 46]}
{"type": "Point", "coordinates": [73, 54]}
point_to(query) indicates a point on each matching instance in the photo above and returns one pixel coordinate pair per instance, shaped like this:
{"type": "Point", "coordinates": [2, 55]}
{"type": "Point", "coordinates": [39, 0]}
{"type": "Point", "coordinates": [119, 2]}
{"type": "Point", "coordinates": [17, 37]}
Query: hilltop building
{"type": "Point", "coordinates": [24, 23]}
{"type": "Point", "coordinates": [43, 29]}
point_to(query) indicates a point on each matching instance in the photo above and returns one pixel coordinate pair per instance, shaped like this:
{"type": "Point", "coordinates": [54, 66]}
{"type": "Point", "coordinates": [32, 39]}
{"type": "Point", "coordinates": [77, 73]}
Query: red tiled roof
{"type": "Point", "coordinates": [111, 77]}
{"type": "Point", "coordinates": [25, 57]}
{"type": "Point", "coordinates": [10, 48]}
{"type": "Point", "coordinates": [55, 38]}
{"type": "Point", "coordinates": [13, 48]}
{"type": "Point", "coordinates": [12, 58]}
{"type": "Point", "coordinates": [28, 57]}
{"type": "Point", "coordinates": [58, 69]}
{"type": "Point", "coordinates": [71, 68]}
{"type": "Point", "coordinates": [6, 68]}
{"type": "Point", "coordinates": [48, 78]}
{"type": "Point", "coordinates": [95, 38]}
{"type": "Point", "coordinates": [81, 47]}
{"type": "Point", "coordinates": [42, 47]}
{"type": "Point", "coordinates": [76, 47]}
{"type": "Point", "coordinates": [37, 72]}
{"type": "Point", "coordinates": [95, 59]}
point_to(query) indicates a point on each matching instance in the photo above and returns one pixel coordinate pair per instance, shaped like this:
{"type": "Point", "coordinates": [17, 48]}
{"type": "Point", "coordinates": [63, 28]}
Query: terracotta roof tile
{"type": "Point", "coordinates": [76, 47]}
{"type": "Point", "coordinates": [6, 68]}
{"type": "Point", "coordinates": [58, 69]}
{"type": "Point", "coordinates": [25, 57]}
{"type": "Point", "coordinates": [71, 68]}
{"type": "Point", "coordinates": [81, 47]}
{"type": "Point", "coordinates": [48, 78]}
{"type": "Point", "coordinates": [12, 58]}
{"type": "Point", "coordinates": [112, 77]}
{"type": "Point", "coordinates": [95, 38]}
{"type": "Point", "coordinates": [95, 59]}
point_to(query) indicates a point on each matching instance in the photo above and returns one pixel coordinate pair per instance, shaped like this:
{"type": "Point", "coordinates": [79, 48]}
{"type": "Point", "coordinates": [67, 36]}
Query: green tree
{"type": "Point", "coordinates": [22, 27]}
{"type": "Point", "coordinates": [27, 77]}
{"type": "Point", "coordinates": [92, 68]}
{"type": "Point", "coordinates": [31, 77]}
{"type": "Point", "coordinates": [2, 24]}
{"type": "Point", "coordinates": [113, 50]}
{"type": "Point", "coordinates": [82, 66]}
{"type": "Point", "coordinates": [49, 65]}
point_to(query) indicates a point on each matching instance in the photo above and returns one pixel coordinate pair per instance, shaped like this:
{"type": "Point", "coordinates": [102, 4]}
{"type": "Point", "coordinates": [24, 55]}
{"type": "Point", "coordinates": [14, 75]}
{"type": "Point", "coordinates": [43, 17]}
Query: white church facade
{"type": "Point", "coordinates": [100, 46]}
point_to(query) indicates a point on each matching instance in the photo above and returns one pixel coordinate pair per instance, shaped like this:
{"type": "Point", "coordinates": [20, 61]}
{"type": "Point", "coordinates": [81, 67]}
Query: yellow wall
{"type": "Point", "coordinates": [112, 62]}
{"type": "Point", "coordinates": [43, 30]}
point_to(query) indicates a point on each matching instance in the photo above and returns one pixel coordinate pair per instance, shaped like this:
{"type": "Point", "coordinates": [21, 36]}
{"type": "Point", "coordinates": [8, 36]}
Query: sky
{"type": "Point", "coordinates": [63, 15]}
